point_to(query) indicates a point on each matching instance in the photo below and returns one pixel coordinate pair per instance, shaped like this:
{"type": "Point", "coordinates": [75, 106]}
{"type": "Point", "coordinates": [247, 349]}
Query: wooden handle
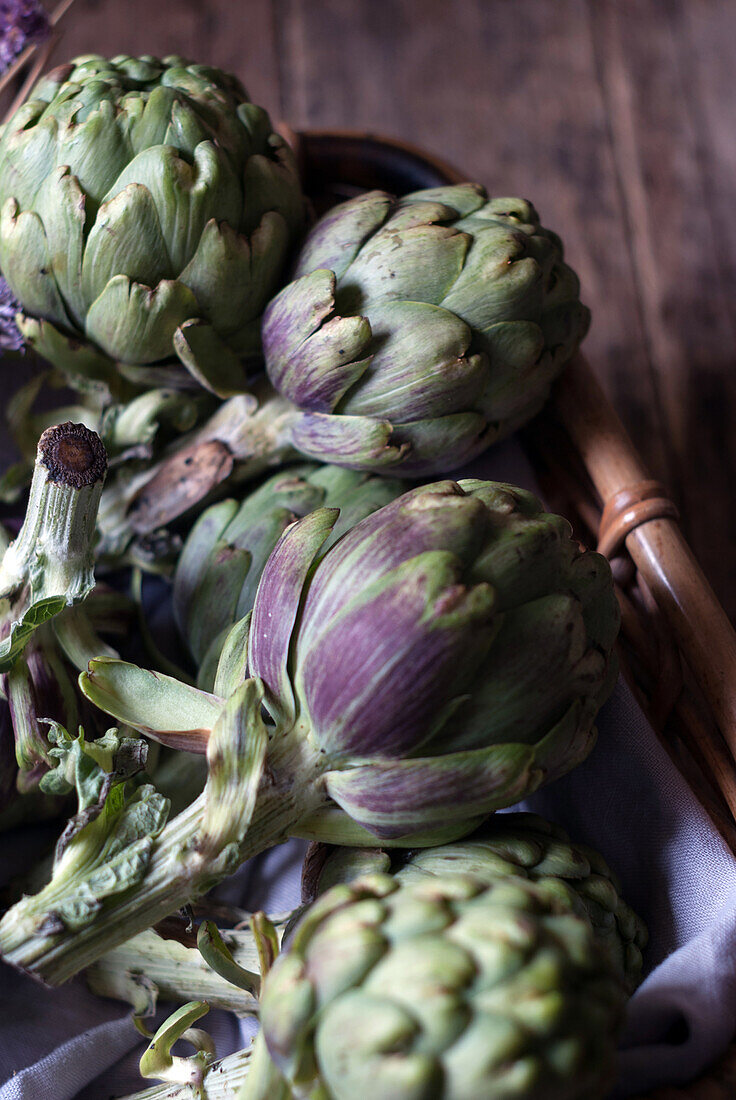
{"type": "Point", "coordinates": [657, 546]}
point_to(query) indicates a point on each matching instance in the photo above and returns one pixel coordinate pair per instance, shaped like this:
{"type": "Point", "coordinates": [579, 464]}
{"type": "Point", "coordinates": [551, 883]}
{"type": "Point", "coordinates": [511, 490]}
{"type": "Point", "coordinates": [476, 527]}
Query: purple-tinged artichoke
{"type": "Point", "coordinates": [419, 330]}
{"type": "Point", "coordinates": [441, 660]}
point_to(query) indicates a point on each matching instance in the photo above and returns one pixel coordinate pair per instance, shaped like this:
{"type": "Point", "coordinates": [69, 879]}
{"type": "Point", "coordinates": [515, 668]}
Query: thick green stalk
{"type": "Point", "coordinates": [149, 968]}
{"type": "Point", "coordinates": [52, 555]}
{"type": "Point", "coordinates": [180, 869]}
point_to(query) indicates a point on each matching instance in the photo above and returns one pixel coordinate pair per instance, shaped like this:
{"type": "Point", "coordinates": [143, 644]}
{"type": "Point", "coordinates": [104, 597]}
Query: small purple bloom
{"type": "Point", "coordinates": [11, 338]}
{"type": "Point", "coordinates": [22, 23]}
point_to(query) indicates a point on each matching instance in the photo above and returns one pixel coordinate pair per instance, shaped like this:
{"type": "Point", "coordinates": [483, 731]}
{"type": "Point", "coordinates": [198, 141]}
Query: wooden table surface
{"type": "Point", "coordinates": [616, 117]}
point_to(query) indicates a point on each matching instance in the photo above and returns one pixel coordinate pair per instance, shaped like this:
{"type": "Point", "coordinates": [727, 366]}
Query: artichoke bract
{"type": "Point", "coordinates": [222, 560]}
{"type": "Point", "coordinates": [446, 988]}
{"type": "Point", "coordinates": [516, 844]}
{"type": "Point", "coordinates": [147, 208]}
{"type": "Point", "coordinates": [419, 330]}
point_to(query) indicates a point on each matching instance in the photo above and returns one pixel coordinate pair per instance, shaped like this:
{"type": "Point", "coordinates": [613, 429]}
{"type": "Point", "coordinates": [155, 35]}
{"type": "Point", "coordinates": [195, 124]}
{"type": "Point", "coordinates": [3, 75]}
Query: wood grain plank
{"type": "Point", "coordinates": [511, 93]}
{"type": "Point", "coordinates": [233, 36]}
{"type": "Point", "coordinates": [684, 297]}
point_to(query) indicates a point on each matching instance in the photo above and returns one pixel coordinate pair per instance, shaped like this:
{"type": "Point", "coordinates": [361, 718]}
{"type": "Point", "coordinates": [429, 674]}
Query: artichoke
{"type": "Point", "coordinates": [227, 549]}
{"type": "Point", "coordinates": [418, 331]}
{"type": "Point", "coordinates": [448, 987]}
{"type": "Point", "coordinates": [517, 844]}
{"type": "Point", "coordinates": [147, 208]}
{"type": "Point", "coordinates": [441, 660]}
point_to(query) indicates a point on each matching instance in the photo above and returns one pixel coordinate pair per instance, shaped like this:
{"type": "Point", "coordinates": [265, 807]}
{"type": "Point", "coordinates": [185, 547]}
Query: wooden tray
{"type": "Point", "coordinates": [677, 646]}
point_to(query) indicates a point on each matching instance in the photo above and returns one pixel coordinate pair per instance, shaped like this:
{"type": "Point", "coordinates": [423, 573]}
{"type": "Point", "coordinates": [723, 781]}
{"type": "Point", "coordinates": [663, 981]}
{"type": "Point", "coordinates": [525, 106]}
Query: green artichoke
{"type": "Point", "coordinates": [571, 876]}
{"type": "Point", "coordinates": [447, 987]}
{"type": "Point", "coordinates": [516, 844]}
{"type": "Point", "coordinates": [147, 208]}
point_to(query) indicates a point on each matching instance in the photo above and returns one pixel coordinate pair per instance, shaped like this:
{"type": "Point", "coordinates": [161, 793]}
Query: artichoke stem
{"type": "Point", "coordinates": [247, 435]}
{"type": "Point", "coordinates": [52, 554]}
{"type": "Point", "coordinates": [178, 871]}
{"type": "Point", "coordinates": [176, 971]}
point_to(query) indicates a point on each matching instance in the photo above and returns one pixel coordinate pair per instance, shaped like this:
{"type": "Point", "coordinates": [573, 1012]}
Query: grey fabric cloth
{"type": "Point", "coordinates": [627, 800]}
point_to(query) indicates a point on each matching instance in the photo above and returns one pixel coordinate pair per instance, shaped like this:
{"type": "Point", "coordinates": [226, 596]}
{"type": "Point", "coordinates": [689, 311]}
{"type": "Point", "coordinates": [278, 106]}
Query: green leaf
{"type": "Point", "coordinates": [125, 239]}
{"type": "Point", "coordinates": [84, 368]}
{"type": "Point", "coordinates": [136, 323]}
{"type": "Point", "coordinates": [26, 263]}
{"type": "Point", "coordinates": [233, 661]}
{"type": "Point", "coordinates": [331, 825]}
{"type": "Point", "coordinates": [13, 644]}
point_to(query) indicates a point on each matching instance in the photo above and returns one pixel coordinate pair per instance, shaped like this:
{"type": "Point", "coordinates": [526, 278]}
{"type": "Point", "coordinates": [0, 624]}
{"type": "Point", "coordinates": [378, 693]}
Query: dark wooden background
{"type": "Point", "coordinates": [616, 117]}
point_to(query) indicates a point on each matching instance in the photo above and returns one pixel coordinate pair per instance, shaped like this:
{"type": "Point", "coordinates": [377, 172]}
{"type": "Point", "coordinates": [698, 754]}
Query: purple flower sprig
{"type": "Point", "coordinates": [22, 23]}
{"type": "Point", "coordinates": [11, 338]}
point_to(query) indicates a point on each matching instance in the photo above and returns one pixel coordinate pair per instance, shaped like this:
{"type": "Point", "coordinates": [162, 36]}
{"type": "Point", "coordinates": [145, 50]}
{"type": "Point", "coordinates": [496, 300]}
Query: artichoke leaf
{"type": "Point", "coordinates": [236, 758]}
{"type": "Point", "coordinates": [395, 797]}
{"type": "Point", "coordinates": [207, 530]}
{"type": "Point", "coordinates": [25, 260]}
{"type": "Point", "coordinates": [331, 825]}
{"type": "Point", "coordinates": [233, 659]}
{"type": "Point", "coordinates": [421, 365]}
{"type": "Point", "coordinates": [126, 239]}
{"type": "Point", "coordinates": [231, 276]}
{"type": "Point", "coordinates": [61, 206]}
{"type": "Point", "coordinates": [465, 198]}
{"type": "Point", "coordinates": [137, 323]}
{"type": "Point", "coordinates": [444, 442]}
{"type": "Point", "coordinates": [208, 359]}
{"type": "Point", "coordinates": [215, 599]}
{"type": "Point", "coordinates": [357, 442]}
{"type": "Point", "coordinates": [416, 264]}
{"type": "Point", "coordinates": [185, 195]}
{"type": "Point", "coordinates": [84, 368]}
{"type": "Point", "coordinates": [269, 186]}
{"type": "Point", "coordinates": [154, 704]}
{"type": "Point", "coordinates": [281, 586]}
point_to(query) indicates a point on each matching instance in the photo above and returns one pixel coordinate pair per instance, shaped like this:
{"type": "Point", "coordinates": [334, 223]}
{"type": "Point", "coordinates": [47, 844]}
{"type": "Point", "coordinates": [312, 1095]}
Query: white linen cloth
{"type": "Point", "coordinates": [627, 800]}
